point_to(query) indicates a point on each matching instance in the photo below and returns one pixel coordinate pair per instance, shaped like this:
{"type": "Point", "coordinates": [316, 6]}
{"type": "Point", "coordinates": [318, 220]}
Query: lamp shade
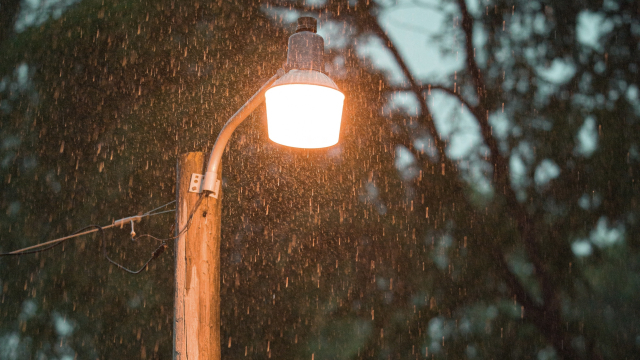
{"type": "Point", "coordinates": [304, 110]}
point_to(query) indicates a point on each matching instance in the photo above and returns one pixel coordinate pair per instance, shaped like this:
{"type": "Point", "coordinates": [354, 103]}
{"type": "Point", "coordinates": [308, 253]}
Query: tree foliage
{"type": "Point", "coordinates": [392, 244]}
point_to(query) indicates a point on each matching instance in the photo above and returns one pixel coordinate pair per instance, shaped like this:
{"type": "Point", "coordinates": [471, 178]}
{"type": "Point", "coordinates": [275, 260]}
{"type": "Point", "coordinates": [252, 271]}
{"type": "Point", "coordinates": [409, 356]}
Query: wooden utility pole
{"type": "Point", "coordinates": [196, 328]}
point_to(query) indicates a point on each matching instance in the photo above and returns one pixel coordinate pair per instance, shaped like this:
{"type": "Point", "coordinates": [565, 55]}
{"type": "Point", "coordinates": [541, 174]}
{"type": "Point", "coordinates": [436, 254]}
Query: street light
{"type": "Point", "coordinates": [304, 110]}
{"type": "Point", "coordinates": [303, 115]}
{"type": "Point", "coordinates": [304, 106]}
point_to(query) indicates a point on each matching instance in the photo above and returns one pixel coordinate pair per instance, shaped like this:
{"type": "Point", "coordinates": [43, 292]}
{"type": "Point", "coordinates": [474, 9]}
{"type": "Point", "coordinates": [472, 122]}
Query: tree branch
{"type": "Point", "coordinates": [425, 114]}
{"type": "Point", "coordinates": [549, 321]}
{"type": "Point", "coordinates": [544, 318]}
{"type": "Point", "coordinates": [452, 92]}
{"type": "Point", "coordinates": [441, 88]}
{"type": "Point", "coordinates": [500, 163]}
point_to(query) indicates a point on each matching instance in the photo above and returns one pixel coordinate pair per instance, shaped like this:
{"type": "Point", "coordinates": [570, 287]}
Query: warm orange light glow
{"type": "Point", "coordinates": [304, 116]}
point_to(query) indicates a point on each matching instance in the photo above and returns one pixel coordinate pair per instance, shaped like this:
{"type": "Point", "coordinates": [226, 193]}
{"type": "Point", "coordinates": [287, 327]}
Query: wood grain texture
{"type": "Point", "coordinates": [197, 281]}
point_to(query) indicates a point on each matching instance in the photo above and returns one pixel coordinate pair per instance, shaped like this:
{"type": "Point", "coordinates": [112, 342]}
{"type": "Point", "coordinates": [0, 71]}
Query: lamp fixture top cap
{"type": "Point", "coordinates": [306, 77]}
{"type": "Point", "coordinates": [307, 23]}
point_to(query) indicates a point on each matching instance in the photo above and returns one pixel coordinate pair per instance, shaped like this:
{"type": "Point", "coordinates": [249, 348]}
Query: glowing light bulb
{"type": "Point", "coordinates": [304, 116]}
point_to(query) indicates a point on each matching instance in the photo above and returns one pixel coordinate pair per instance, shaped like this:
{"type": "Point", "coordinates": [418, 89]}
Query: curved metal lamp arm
{"type": "Point", "coordinates": [227, 130]}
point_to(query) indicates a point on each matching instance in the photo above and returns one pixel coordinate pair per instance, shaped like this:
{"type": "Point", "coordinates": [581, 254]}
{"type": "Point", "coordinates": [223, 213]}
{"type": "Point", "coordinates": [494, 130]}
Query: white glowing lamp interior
{"type": "Point", "coordinates": [304, 116]}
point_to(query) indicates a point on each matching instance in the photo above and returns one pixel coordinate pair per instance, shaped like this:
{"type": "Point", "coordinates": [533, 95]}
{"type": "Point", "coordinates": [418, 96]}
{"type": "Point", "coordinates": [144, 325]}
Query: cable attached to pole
{"type": "Point", "coordinates": [53, 243]}
{"type": "Point", "coordinates": [121, 222]}
{"type": "Point", "coordinates": [159, 250]}
{"type": "Point", "coordinates": [36, 248]}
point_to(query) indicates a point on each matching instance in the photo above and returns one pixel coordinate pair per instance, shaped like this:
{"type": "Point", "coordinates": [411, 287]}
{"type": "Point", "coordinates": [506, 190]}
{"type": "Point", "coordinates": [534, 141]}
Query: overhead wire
{"type": "Point", "coordinates": [73, 235]}
{"type": "Point", "coordinates": [121, 222]}
{"type": "Point", "coordinates": [52, 243]}
{"type": "Point", "coordinates": [160, 249]}
{"type": "Point", "coordinates": [55, 242]}
{"type": "Point", "coordinates": [160, 207]}
{"type": "Point", "coordinates": [185, 229]}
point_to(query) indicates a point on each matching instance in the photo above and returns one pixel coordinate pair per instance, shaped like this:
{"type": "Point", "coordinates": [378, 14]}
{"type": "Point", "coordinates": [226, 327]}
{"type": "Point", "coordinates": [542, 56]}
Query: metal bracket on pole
{"type": "Point", "coordinates": [197, 181]}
